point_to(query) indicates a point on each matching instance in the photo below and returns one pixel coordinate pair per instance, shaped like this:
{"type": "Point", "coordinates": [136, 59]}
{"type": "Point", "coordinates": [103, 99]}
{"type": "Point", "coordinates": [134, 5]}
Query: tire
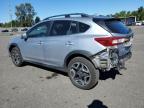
{"type": "Point", "coordinates": [16, 57]}
{"type": "Point", "coordinates": [83, 73]}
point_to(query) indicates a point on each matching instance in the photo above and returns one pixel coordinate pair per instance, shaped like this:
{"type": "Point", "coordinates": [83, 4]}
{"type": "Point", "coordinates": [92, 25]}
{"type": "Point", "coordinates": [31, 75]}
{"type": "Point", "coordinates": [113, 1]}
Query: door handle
{"type": "Point", "coordinates": [69, 43]}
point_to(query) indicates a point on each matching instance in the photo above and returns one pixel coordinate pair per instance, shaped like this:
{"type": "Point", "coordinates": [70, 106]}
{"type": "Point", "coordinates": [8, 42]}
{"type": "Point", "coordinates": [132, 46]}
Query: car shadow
{"type": "Point", "coordinates": [97, 104]}
{"type": "Point", "coordinates": [109, 74]}
{"type": "Point", "coordinates": [103, 75]}
{"type": "Point", "coordinates": [55, 71]}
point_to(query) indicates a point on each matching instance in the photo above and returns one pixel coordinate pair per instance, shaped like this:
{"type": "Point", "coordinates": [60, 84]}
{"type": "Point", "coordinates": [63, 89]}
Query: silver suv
{"type": "Point", "coordinates": [80, 44]}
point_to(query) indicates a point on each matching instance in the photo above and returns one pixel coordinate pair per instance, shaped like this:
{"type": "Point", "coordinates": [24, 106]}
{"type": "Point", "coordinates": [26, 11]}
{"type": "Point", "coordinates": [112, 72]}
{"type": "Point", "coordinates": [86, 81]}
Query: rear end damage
{"type": "Point", "coordinates": [118, 44]}
{"type": "Point", "coordinates": [109, 58]}
{"type": "Point", "coordinates": [117, 52]}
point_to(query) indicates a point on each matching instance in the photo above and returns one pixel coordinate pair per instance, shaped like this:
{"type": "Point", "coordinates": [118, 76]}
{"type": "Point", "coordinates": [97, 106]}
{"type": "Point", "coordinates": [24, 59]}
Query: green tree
{"type": "Point", "coordinates": [121, 14]}
{"type": "Point", "coordinates": [15, 23]}
{"type": "Point", "coordinates": [140, 13]}
{"type": "Point", "coordinates": [37, 19]}
{"type": "Point", "coordinates": [128, 14]}
{"type": "Point", "coordinates": [25, 14]}
{"type": "Point", "coordinates": [1, 24]}
{"type": "Point", "coordinates": [134, 13]}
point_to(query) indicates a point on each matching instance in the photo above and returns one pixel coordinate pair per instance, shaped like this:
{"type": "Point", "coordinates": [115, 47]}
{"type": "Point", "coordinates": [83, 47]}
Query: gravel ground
{"type": "Point", "coordinates": [33, 86]}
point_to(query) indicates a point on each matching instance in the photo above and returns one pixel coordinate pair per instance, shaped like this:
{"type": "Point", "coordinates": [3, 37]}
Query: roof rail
{"type": "Point", "coordinates": [67, 15]}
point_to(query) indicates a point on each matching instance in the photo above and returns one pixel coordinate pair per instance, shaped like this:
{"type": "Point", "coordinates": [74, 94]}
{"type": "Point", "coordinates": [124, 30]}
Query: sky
{"type": "Point", "coordinates": [45, 8]}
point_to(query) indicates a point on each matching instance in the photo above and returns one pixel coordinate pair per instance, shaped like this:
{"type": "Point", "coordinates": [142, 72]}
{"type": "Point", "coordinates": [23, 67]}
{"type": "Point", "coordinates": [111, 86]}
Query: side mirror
{"type": "Point", "coordinates": [24, 36]}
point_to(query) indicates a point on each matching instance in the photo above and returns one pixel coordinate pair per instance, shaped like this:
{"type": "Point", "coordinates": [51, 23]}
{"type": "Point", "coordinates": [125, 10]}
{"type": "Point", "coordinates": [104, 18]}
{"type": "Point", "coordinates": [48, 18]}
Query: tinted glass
{"type": "Point", "coordinates": [117, 27]}
{"type": "Point", "coordinates": [39, 30]}
{"type": "Point", "coordinates": [83, 27]}
{"type": "Point", "coordinates": [73, 28]}
{"type": "Point", "coordinates": [60, 28]}
{"type": "Point", "coordinates": [113, 25]}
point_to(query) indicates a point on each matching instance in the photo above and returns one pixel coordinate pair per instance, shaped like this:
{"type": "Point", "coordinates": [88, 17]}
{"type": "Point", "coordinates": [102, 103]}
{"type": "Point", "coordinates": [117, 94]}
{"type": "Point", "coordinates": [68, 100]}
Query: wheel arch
{"type": "Point", "coordinates": [12, 46]}
{"type": "Point", "coordinates": [74, 54]}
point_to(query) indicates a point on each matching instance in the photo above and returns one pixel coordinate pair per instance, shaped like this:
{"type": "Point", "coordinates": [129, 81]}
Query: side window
{"type": "Point", "coordinates": [73, 27]}
{"type": "Point", "coordinates": [60, 28]}
{"type": "Point", "coordinates": [83, 27]}
{"type": "Point", "coordinates": [39, 30]}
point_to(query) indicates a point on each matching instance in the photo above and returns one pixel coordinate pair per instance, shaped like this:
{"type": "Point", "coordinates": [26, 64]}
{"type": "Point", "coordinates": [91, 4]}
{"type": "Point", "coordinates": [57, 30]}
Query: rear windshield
{"type": "Point", "coordinates": [114, 26]}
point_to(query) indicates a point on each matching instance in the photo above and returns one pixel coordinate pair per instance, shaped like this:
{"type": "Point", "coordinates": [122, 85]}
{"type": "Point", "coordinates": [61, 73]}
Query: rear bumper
{"type": "Point", "coordinates": [123, 59]}
{"type": "Point", "coordinates": [126, 57]}
{"type": "Point", "coordinates": [109, 59]}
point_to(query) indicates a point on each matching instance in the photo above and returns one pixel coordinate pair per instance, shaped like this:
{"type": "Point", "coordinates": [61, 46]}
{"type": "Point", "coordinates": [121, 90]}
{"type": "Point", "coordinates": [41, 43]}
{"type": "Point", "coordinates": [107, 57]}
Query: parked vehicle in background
{"type": "Point", "coordinates": [78, 43]}
{"type": "Point", "coordinates": [24, 29]}
{"type": "Point", "coordinates": [138, 23]}
{"type": "Point", "coordinates": [14, 30]}
{"type": "Point", "coordinates": [5, 30]}
{"type": "Point", "coordinates": [142, 22]}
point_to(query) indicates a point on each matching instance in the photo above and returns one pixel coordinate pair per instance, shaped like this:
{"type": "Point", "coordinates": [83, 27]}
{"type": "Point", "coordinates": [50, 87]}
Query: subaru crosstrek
{"type": "Point", "coordinates": [80, 44]}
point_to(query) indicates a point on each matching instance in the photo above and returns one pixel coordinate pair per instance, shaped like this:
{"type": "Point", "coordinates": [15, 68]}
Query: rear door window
{"type": "Point", "coordinates": [78, 27]}
{"type": "Point", "coordinates": [60, 28]}
{"type": "Point", "coordinates": [73, 27]}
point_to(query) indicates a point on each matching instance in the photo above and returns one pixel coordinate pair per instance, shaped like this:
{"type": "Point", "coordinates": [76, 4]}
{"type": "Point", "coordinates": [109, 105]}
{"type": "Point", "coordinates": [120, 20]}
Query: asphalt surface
{"type": "Point", "coordinates": [33, 86]}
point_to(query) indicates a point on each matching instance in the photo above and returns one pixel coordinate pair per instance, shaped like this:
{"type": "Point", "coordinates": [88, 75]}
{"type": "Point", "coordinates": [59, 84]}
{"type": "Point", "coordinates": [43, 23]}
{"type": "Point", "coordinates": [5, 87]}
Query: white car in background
{"type": "Point", "coordinates": [142, 22]}
{"type": "Point", "coordinates": [138, 23]}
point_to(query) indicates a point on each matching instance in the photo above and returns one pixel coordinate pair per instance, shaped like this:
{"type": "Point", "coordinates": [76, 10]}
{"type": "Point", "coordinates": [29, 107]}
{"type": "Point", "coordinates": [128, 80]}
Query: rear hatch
{"type": "Point", "coordinates": [118, 31]}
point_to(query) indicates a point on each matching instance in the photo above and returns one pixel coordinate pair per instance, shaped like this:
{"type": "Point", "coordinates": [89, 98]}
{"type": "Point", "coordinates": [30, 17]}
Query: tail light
{"type": "Point", "coordinates": [111, 41]}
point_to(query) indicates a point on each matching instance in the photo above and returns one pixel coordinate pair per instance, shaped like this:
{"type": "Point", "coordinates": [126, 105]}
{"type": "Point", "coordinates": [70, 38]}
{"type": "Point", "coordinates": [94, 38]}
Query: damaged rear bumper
{"type": "Point", "coordinates": [109, 58]}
